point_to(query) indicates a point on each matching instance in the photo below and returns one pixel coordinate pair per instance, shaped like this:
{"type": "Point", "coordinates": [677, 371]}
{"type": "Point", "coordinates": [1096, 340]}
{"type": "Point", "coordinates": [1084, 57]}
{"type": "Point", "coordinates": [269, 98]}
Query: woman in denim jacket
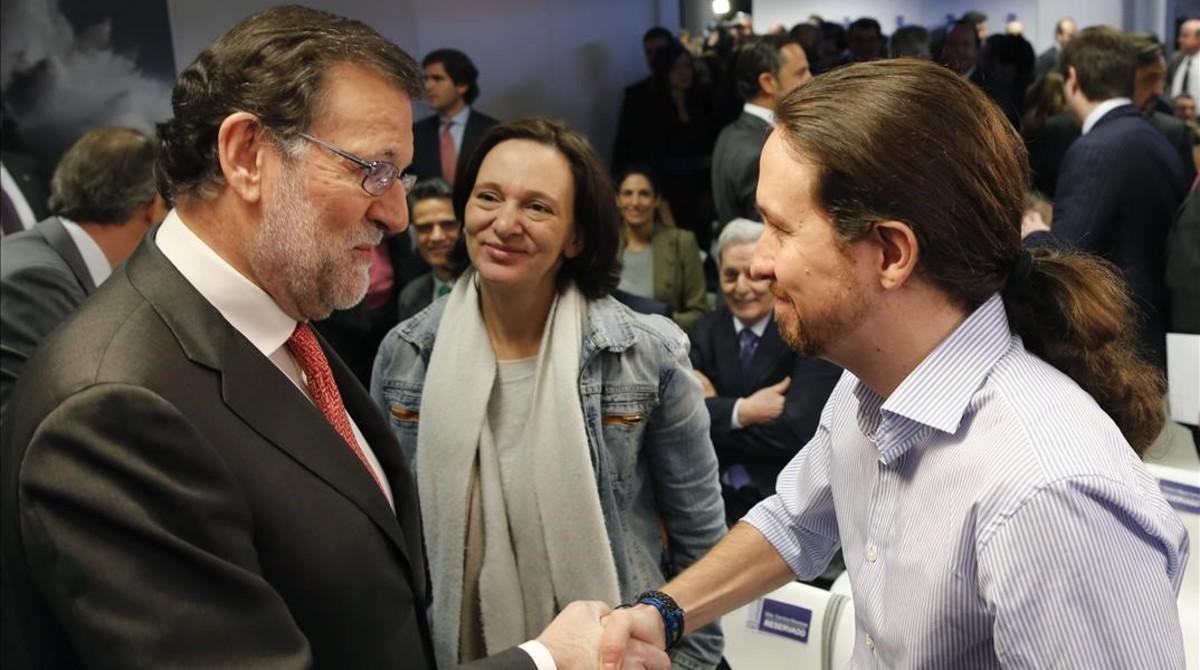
{"type": "Point", "coordinates": [560, 440]}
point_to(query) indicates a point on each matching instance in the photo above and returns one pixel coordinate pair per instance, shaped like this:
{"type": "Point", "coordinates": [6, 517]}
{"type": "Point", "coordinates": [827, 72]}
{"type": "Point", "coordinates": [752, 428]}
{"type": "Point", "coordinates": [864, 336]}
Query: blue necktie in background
{"type": "Point", "coordinates": [749, 342]}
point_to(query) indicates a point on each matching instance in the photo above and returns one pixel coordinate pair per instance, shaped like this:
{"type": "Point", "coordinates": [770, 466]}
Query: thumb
{"type": "Point", "coordinates": [783, 385]}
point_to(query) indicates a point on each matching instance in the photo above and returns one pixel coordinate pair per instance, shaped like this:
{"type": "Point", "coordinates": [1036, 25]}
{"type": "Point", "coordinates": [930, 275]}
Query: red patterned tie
{"type": "Point", "coordinates": [448, 153]}
{"type": "Point", "coordinates": [307, 351]}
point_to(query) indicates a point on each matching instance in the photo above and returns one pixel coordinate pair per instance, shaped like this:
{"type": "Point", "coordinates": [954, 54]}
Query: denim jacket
{"type": "Point", "coordinates": [647, 428]}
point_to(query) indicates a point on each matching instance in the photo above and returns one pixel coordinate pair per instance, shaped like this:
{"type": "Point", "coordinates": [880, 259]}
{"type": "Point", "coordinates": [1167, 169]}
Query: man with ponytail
{"type": "Point", "coordinates": [978, 463]}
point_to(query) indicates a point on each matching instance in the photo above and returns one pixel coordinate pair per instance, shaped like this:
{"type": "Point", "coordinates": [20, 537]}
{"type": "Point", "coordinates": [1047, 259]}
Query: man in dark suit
{"type": "Point", "coordinates": [105, 197]}
{"type": "Point", "coordinates": [1183, 72]}
{"type": "Point", "coordinates": [431, 205]}
{"type": "Point", "coordinates": [763, 398]}
{"type": "Point", "coordinates": [633, 119]}
{"type": "Point", "coordinates": [1148, 88]}
{"type": "Point", "coordinates": [1064, 30]}
{"type": "Point", "coordinates": [190, 477]}
{"type": "Point", "coordinates": [764, 70]}
{"type": "Point", "coordinates": [1121, 181]}
{"type": "Point", "coordinates": [444, 142]}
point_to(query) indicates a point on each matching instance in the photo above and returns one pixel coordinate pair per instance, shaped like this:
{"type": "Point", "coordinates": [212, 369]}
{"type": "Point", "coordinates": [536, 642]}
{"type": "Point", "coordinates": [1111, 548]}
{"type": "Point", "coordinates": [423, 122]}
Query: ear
{"type": "Point", "coordinates": [462, 91]}
{"type": "Point", "coordinates": [899, 252]}
{"type": "Point", "coordinates": [768, 84]}
{"type": "Point", "coordinates": [153, 212]}
{"type": "Point", "coordinates": [1072, 79]}
{"type": "Point", "coordinates": [241, 149]}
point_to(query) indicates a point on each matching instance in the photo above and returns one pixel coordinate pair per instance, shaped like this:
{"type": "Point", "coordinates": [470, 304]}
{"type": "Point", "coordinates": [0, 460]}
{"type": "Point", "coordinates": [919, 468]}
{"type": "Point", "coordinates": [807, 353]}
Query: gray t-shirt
{"type": "Point", "coordinates": [637, 272]}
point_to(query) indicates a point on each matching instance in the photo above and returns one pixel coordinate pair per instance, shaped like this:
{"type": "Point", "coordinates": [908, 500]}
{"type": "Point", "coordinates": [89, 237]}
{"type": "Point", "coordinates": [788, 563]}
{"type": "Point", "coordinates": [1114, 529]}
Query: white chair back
{"type": "Point", "coordinates": [796, 626]}
{"type": "Point", "coordinates": [1182, 489]}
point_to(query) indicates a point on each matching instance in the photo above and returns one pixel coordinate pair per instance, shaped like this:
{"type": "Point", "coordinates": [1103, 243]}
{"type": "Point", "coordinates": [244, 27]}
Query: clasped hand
{"type": "Point", "coordinates": [591, 636]}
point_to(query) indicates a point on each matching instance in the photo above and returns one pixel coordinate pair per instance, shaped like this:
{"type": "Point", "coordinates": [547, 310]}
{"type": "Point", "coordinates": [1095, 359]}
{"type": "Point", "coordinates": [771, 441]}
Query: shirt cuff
{"type": "Point", "coordinates": [542, 659]}
{"type": "Point", "coordinates": [734, 424]}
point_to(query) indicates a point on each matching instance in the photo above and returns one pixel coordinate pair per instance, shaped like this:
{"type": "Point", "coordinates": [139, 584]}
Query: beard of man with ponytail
{"type": "Point", "coordinates": [922, 147]}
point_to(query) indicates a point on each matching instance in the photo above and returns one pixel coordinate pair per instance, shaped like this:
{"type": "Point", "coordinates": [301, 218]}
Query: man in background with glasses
{"type": "Point", "coordinates": [190, 477]}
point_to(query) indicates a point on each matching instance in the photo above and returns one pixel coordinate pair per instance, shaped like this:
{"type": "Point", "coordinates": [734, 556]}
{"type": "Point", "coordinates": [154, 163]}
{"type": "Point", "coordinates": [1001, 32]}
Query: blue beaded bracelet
{"type": "Point", "coordinates": [669, 610]}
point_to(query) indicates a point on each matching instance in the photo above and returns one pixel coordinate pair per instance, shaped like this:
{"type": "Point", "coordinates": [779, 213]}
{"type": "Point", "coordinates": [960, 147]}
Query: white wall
{"type": "Point", "coordinates": [564, 58]}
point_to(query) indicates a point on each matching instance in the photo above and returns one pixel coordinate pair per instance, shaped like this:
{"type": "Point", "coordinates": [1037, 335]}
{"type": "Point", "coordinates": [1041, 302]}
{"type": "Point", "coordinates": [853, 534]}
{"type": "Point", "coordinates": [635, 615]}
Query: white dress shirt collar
{"type": "Point", "coordinates": [249, 309]}
{"type": "Point", "coordinates": [93, 257]}
{"type": "Point", "coordinates": [758, 327]}
{"type": "Point", "coordinates": [1103, 108]}
{"type": "Point", "coordinates": [759, 111]}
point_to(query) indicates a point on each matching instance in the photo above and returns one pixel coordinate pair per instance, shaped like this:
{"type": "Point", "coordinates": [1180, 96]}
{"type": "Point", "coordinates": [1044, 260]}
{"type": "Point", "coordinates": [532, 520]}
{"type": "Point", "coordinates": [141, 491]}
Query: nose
{"type": "Point", "coordinates": [390, 210]}
{"type": "Point", "coordinates": [435, 233]}
{"type": "Point", "coordinates": [507, 222]}
{"type": "Point", "coordinates": [762, 263]}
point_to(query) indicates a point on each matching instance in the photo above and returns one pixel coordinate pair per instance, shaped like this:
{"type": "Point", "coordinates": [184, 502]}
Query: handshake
{"type": "Point", "coordinates": [589, 635]}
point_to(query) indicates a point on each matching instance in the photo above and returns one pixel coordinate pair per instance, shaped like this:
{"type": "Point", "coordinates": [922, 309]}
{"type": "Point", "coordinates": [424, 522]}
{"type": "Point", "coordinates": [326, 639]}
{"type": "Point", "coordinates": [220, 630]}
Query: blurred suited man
{"type": "Point", "coordinates": [1064, 30]}
{"type": "Point", "coordinates": [1121, 182]}
{"type": "Point", "coordinates": [444, 141]}
{"type": "Point", "coordinates": [764, 70]}
{"type": "Point", "coordinates": [190, 477]}
{"type": "Point", "coordinates": [104, 196]}
{"type": "Point", "coordinates": [763, 397]}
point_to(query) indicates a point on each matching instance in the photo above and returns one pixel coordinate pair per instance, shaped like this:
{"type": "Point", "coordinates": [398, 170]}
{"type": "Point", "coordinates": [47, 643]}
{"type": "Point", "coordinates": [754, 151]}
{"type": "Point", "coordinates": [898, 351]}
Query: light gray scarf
{"type": "Point", "coordinates": [453, 435]}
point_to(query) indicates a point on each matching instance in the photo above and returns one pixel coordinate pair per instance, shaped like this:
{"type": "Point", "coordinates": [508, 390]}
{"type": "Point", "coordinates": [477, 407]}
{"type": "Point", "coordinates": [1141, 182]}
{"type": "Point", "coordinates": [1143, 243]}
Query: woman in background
{"type": "Point", "coordinates": [560, 440]}
{"type": "Point", "coordinates": [658, 261]}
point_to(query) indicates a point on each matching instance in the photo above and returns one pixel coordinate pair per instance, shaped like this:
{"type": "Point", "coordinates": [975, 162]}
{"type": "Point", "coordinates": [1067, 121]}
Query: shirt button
{"type": "Point", "coordinates": [871, 554]}
{"type": "Point", "coordinates": [870, 643]}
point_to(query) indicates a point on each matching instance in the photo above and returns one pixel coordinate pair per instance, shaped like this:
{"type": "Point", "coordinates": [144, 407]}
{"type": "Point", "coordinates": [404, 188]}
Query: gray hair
{"type": "Point", "coordinates": [737, 231]}
{"type": "Point", "coordinates": [105, 176]}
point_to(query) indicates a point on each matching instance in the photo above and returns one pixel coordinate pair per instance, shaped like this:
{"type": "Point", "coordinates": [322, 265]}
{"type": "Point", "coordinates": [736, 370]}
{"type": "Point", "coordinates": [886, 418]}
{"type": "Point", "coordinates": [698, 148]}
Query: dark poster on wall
{"type": "Point", "coordinates": [67, 66]}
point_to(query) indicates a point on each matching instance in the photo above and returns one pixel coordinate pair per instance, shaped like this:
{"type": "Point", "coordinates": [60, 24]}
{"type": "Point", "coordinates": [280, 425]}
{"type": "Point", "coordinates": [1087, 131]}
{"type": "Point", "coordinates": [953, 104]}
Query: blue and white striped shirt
{"type": "Point", "coordinates": [990, 514]}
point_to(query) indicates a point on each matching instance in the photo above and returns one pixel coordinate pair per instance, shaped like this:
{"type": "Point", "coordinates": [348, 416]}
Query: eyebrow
{"type": "Point", "coordinates": [528, 193]}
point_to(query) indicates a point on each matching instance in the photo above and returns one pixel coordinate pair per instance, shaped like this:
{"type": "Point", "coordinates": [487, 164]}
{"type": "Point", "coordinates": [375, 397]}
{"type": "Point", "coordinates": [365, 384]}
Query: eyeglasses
{"type": "Point", "coordinates": [380, 175]}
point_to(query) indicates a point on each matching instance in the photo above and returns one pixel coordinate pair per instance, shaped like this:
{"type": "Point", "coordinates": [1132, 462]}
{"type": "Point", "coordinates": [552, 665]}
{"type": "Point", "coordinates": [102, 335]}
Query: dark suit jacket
{"type": "Point", "coordinates": [763, 449]}
{"type": "Point", "coordinates": [1180, 137]}
{"type": "Point", "coordinates": [42, 280]}
{"type": "Point", "coordinates": [735, 167]}
{"type": "Point", "coordinates": [170, 499]}
{"type": "Point", "coordinates": [427, 161]}
{"type": "Point", "coordinates": [1173, 64]}
{"type": "Point", "coordinates": [1183, 267]}
{"type": "Point", "coordinates": [1118, 191]}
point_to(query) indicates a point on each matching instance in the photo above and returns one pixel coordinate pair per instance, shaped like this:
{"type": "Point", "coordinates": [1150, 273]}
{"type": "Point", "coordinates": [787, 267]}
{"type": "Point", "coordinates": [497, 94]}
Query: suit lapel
{"type": "Point", "coordinates": [379, 436]}
{"type": "Point", "coordinates": [258, 393]}
{"type": "Point", "coordinates": [56, 236]}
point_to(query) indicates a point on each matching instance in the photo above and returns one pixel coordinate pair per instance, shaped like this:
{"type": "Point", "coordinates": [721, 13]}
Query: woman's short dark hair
{"type": "Point", "coordinates": [459, 68]}
{"type": "Point", "coordinates": [596, 271]}
{"type": "Point", "coordinates": [272, 65]}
